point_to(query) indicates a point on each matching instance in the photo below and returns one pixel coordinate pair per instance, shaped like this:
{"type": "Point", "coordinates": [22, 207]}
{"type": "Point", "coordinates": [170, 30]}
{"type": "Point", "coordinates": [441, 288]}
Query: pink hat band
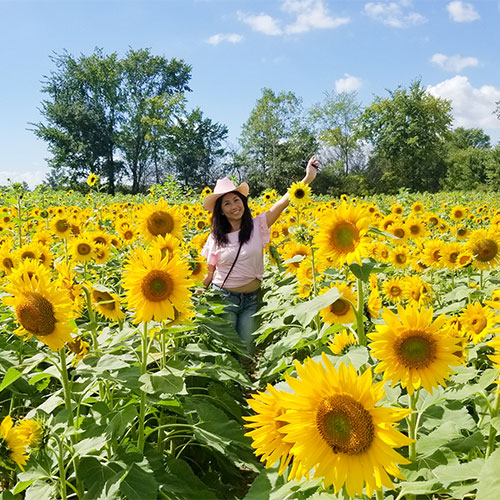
{"type": "Point", "coordinates": [222, 187]}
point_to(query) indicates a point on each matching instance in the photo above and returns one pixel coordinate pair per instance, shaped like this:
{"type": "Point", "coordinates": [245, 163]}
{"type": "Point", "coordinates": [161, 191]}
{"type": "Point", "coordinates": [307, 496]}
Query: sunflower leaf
{"type": "Point", "coordinates": [489, 479]}
{"type": "Point", "coordinates": [305, 311]}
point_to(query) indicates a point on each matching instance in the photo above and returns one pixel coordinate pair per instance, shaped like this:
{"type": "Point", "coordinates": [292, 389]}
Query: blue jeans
{"type": "Point", "coordinates": [240, 311]}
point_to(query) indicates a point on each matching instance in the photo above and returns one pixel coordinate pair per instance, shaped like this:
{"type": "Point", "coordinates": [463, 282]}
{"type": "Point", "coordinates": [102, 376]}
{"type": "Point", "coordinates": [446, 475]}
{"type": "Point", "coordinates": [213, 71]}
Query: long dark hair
{"type": "Point", "coordinates": [221, 226]}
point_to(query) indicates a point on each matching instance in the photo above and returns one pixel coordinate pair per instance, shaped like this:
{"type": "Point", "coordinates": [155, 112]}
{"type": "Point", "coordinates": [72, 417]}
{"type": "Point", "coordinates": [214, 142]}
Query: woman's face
{"type": "Point", "coordinates": [232, 207]}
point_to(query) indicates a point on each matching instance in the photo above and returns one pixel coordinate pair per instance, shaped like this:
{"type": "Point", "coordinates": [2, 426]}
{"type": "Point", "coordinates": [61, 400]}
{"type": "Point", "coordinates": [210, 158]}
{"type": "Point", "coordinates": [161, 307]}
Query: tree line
{"type": "Point", "coordinates": [127, 121]}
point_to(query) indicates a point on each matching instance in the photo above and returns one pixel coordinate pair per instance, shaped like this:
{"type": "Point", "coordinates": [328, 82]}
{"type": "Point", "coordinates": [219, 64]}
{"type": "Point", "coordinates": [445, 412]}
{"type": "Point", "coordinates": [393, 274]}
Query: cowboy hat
{"type": "Point", "coordinates": [223, 187]}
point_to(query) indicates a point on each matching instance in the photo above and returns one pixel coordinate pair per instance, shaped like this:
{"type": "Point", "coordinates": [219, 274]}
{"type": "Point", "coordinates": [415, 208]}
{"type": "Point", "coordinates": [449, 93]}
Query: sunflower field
{"type": "Point", "coordinates": [376, 373]}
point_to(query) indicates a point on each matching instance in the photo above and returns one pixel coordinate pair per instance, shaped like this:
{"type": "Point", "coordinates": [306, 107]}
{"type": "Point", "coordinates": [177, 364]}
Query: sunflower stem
{"type": "Point", "coordinates": [142, 406]}
{"type": "Point", "coordinates": [62, 469]}
{"type": "Point", "coordinates": [360, 326]}
{"type": "Point", "coordinates": [19, 224]}
{"type": "Point", "coordinates": [412, 426]}
{"type": "Point", "coordinates": [493, 432]}
{"type": "Point", "coordinates": [379, 494]}
{"type": "Point", "coordinates": [66, 386]}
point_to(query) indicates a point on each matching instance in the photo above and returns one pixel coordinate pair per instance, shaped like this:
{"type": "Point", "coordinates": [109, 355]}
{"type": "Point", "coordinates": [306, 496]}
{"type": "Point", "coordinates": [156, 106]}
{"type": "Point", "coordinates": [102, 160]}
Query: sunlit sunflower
{"type": "Point", "coordinates": [341, 310]}
{"type": "Point", "coordinates": [393, 290]}
{"type": "Point", "coordinates": [417, 207]}
{"type": "Point", "coordinates": [416, 228]}
{"type": "Point", "coordinates": [101, 253]}
{"type": "Point", "coordinates": [458, 213]}
{"type": "Point", "coordinates": [8, 260]}
{"type": "Point", "coordinates": [31, 432]}
{"type": "Point", "coordinates": [399, 230]}
{"type": "Point", "coordinates": [61, 226]}
{"type": "Point", "coordinates": [299, 193]}
{"type": "Point", "coordinates": [478, 321]}
{"type": "Point", "coordinates": [292, 250]}
{"type": "Point", "coordinates": [28, 251]}
{"type": "Point", "coordinates": [12, 444]}
{"type": "Point", "coordinates": [160, 219]}
{"type": "Point", "coordinates": [205, 192]}
{"type": "Point", "coordinates": [462, 232]}
{"type": "Point", "coordinates": [82, 248]}
{"type": "Point", "coordinates": [431, 253]}
{"type": "Point", "coordinates": [412, 349]}
{"type": "Point", "coordinates": [79, 347]}
{"type": "Point", "coordinates": [400, 257]}
{"type": "Point", "coordinates": [92, 179]}
{"type": "Point", "coordinates": [342, 235]}
{"type": "Point", "coordinates": [169, 245]}
{"type": "Point", "coordinates": [42, 308]}
{"type": "Point", "coordinates": [267, 438]}
{"type": "Point", "coordinates": [107, 303]}
{"type": "Point", "coordinates": [374, 303]}
{"type": "Point", "coordinates": [342, 341]}
{"type": "Point", "coordinates": [485, 248]}
{"type": "Point", "coordinates": [450, 252]}
{"type": "Point", "coordinates": [156, 287]}
{"type": "Point", "coordinates": [198, 267]}
{"type": "Point", "coordinates": [338, 432]}
{"type": "Point", "coordinates": [415, 289]}
{"type": "Point", "coordinates": [67, 281]}
{"type": "Point", "coordinates": [397, 209]}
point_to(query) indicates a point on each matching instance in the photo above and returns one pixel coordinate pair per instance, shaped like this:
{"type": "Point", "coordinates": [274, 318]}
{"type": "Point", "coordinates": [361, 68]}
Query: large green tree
{"type": "Point", "coordinates": [336, 122]}
{"type": "Point", "coordinates": [408, 130]}
{"type": "Point", "coordinates": [96, 107]}
{"type": "Point", "coordinates": [274, 140]}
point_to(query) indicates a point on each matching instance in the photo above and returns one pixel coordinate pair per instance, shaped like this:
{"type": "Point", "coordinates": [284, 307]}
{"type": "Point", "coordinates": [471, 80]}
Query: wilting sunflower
{"type": "Point", "coordinates": [107, 303]}
{"type": "Point", "coordinates": [267, 438]}
{"type": "Point", "coordinates": [12, 443]}
{"type": "Point", "coordinates": [42, 308]}
{"type": "Point", "coordinates": [160, 219]}
{"type": "Point", "coordinates": [156, 287]}
{"type": "Point", "coordinates": [299, 193]}
{"type": "Point", "coordinates": [341, 342]}
{"type": "Point", "coordinates": [485, 248]}
{"type": "Point", "coordinates": [342, 234]}
{"type": "Point", "coordinates": [412, 348]}
{"type": "Point", "coordinates": [478, 321]}
{"type": "Point", "coordinates": [340, 311]}
{"type": "Point", "coordinates": [337, 430]}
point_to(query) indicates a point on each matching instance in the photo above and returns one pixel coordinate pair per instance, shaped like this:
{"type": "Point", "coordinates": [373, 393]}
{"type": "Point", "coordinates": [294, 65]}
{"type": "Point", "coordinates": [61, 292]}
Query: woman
{"type": "Point", "coordinates": [234, 249]}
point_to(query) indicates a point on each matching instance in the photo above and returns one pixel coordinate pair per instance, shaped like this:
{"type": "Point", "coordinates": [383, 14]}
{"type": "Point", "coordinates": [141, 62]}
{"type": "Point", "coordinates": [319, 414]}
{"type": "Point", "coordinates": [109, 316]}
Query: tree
{"type": "Point", "coordinates": [336, 121]}
{"type": "Point", "coordinates": [408, 132]}
{"type": "Point", "coordinates": [195, 149]}
{"type": "Point", "coordinates": [274, 141]}
{"type": "Point", "coordinates": [463, 138]}
{"type": "Point", "coordinates": [96, 107]}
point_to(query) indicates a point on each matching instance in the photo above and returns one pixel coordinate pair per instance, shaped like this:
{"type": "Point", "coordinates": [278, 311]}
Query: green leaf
{"type": "Point", "coordinates": [10, 377]}
{"type": "Point", "coordinates": [91, 444]}
{"type": "Point", "coordinates": [181, 481]}
{"type": "Point", "coordinates": [445, 433]}
{"type": "Point", "coordinates": [357, 356]}
{"type": "Point", "coordinates": [305, 311]}
{"type": "Point", "coordinates": [448, 474]}
{"type": "Point", "coordinates": [40, 490]}
{"type": "Point", "coordinates": [120, 421]}
{"type": "Point", "coordinates": [363, 272]}
{"type": "Point", "coordinates": [419, 488]}
{"type": "Point", "coordinates": [139, 482]}
{"type": "Point", "coordinates": [161, 383]}
{"type": "Point", "coordinates": [489, 479]}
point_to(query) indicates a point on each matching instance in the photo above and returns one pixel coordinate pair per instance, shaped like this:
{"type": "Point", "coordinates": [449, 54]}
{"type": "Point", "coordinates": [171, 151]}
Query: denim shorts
{"type": "Point", "coordinates": [240, 311]}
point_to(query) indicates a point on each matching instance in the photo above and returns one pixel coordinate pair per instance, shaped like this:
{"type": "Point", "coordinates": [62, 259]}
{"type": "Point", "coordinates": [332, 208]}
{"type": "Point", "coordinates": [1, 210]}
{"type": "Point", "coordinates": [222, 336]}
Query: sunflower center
{"type": "Point", "coordinates": [400, 258]}
{"type": "Point", "coordinates": [36, 314]}
{"type": "Point", "coordinates": [160, 223]}
{"type": "Point", "coordinates": [83, 249]}
{"type": "Point", "coordinates": [485, 250]}
{"type": "Point", "coordinates": [478, 324]}
{"type": "Point", "coordinates": [62, 225]}
{"type": "Point", "coordinates": [414, 229]}
{"type": "Point", "coordinates": [453, 257]}
{"type": "Point", "coordinates": [395, 291]}
{"type": "Point", "coordinates": [299, 194]}
{"type": "Point", "coordinates": [399, 232]}
{"type": "Point", "coordinates": [345, 235]}
{"type": "Point", "coordinates": [340, 307]}
{"type": "Point", "coordinates": [416, 350]}
{"type": "Point", "coordinates": [7, 263]}
{"type": "Point", "coordinates": [345, 424]}
{"type": "Point", "coordinates": [105, 300]}
{"type": "Point", "coordinates": [100, 239]}
{"type": "Point", "coordinates": [28, 254]}
{"type": "Point", "coordinates": [157, 286]}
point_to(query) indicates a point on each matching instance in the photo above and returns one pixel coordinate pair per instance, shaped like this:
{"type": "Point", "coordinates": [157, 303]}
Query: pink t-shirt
{"type": "Point", "coordinates": [250, 263]}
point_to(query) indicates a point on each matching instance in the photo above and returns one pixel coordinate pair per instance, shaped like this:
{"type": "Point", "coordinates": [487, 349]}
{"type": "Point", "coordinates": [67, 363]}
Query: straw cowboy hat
{"type": "Point", "coordinates": [223, 187]}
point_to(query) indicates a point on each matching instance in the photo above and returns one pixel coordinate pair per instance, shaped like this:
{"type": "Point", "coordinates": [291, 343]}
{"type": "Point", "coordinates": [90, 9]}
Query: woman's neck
{"type": "Point", "coordinates": [235, 225]}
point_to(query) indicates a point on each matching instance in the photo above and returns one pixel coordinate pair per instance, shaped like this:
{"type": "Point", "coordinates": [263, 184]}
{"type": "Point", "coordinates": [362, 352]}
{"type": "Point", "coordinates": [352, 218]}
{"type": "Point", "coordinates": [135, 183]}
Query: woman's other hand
{"type": "Point", "coordinates": [311, 170]}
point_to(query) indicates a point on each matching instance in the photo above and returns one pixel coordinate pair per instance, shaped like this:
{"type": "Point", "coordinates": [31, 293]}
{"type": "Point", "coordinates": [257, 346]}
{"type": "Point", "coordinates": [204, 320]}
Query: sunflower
{"type": "Point", "coordinates": [107, 303]}
{"type": "Point", "coordinates": [415, 289]}
{"type": "Point", "coordinates": [431, 253]}
{"type": "Point", "coordinates": [412, 348]}
{"type": "Point", "coordinates": [341, 310]}
{"type": "Point", "coordinates": [374, 303]}
{"type": "Point", "coordinates": [156, 287]}
{"type": "Point", "coordinates": [267, 438]}
{"type": "Point", "coordinates": [336, 429]}
{"type": "Point", "coordinates": [342, 234]}
{"type": "Point", "coordinates": [299, 193]}
{"type": "Point", "coordinates": [169, 245]}
{"type": "Point", "coordinates": [462, 232]}
{"type": "Point", "coordinates": [79, 348]}
{"type": "Point", "coordinates": [450, 252]}
{"type": "Point", "coordinates": [399, 230]}
{"type": "Point", "coordinates": [61, 226]}
{"type": "Point", "coordinates": [397, 209]}
{"type": "Point", "coordinates": [417, 207]}
{"type": "Point", "coordinates": [92, 179]}
{"type": "Point", "coordinates": [42, 308]}
{"type": "Point", "coordinates": [31, 432]}
{"type": "Point", "coordinates": [198, 267]}
{"type": "Point", "coordinates": [400, 257]}
{"type": "Point", "coordinates": [478, 321]}
{"type": "Point", "coordinates": [485, 248]}
{"type": "Point", "coordinates": [12, 442]}
{"type": "Point", "coordinates": [292, 250]}
{"type": "Point", "coordinates": [342, 341]}
{"type": "Point", "coordinates": [82, 248]}
{"type": "Point", "coordinates": [416, 228]}
{"type": "Point", "coordinates": [8, 261]}
{"type": "Point", "coordinates": [159, 219]}
{"type": "Point", "coordinates": [458, 213]}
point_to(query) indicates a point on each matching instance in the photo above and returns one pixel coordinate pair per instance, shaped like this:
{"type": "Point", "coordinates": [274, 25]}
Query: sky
{"type": "Point", "coordinates": [238, 47]}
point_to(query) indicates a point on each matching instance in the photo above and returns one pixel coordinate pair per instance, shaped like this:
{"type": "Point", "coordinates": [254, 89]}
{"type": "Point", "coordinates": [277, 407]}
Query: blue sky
{"type": "Point", "coordinates": [238, 47]}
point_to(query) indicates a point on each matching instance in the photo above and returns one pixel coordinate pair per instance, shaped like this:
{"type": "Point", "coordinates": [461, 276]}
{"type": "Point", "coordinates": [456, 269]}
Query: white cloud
{"type": "Point", "coordinates": [31, 178]}
{"type": "Point", "coordinates": [310, 14]}
{"type": "Point", "coordinates": [307, 15]}
{"type": "Point", "coordinates": [394, 14]}
{"type": "Point", "coordinates": [347, 84]}
{"type": "Point", "coordinates": [462, 12]}
{"type": "Point", "coordinates": [263, 23]}
{"type": "Point", "coordinates": [455, 64]}
{"type": "Point", "coordinates": [472, 107]}
{"type": "Point", "coordinates": [224, 37]}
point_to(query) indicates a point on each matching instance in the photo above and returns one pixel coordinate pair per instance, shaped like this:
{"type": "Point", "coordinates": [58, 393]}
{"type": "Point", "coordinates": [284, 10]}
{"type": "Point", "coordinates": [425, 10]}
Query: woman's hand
{"type": "Point", "coordinates": [311, 170]}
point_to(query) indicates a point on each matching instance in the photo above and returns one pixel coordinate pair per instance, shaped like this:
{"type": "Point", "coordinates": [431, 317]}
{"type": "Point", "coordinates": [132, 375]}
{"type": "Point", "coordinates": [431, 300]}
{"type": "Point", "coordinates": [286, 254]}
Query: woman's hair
{"type": "Point", "coordinates": [221, 226]}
